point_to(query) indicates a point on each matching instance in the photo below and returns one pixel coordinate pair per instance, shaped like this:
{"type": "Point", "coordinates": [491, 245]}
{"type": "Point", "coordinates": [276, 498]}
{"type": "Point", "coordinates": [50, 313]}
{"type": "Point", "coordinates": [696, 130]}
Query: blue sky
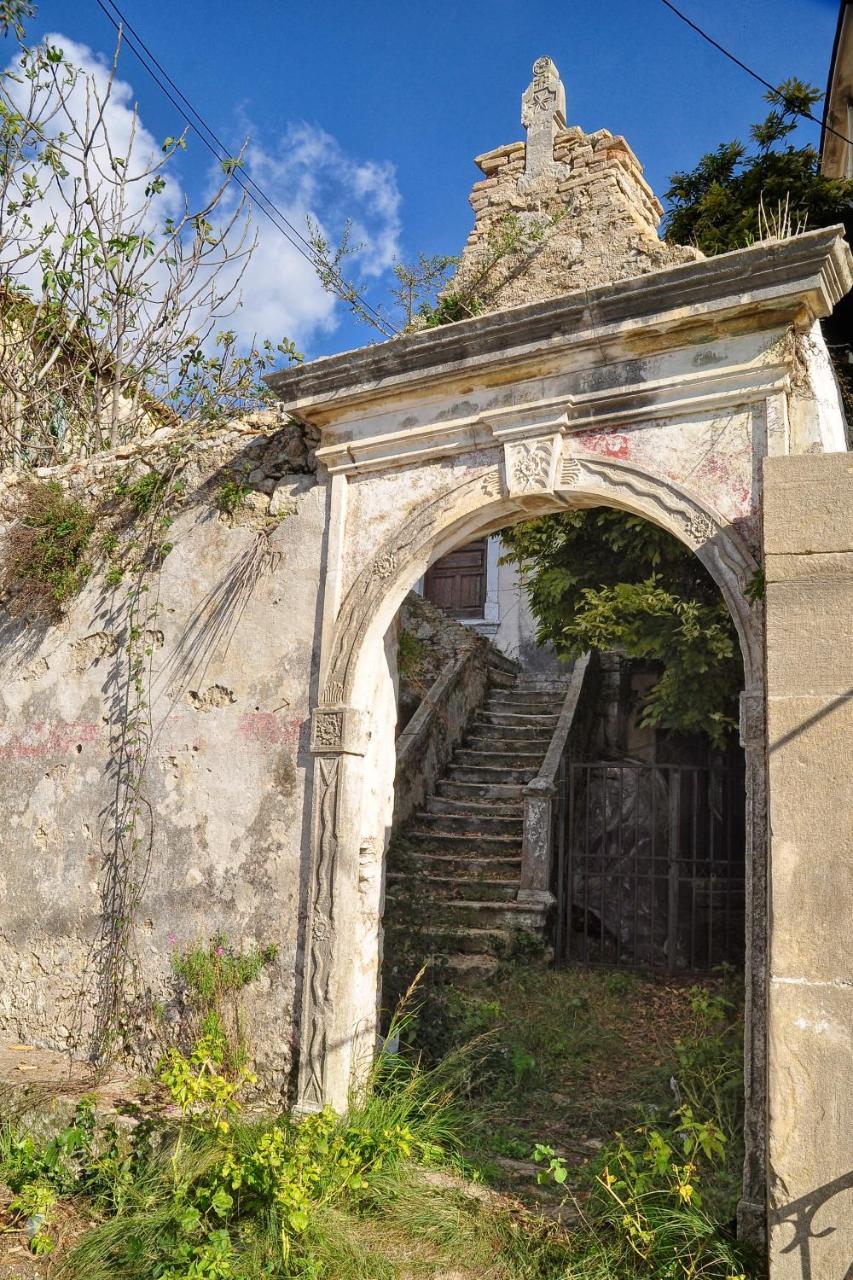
{"type": "Point", "coordinates": [376, 110]}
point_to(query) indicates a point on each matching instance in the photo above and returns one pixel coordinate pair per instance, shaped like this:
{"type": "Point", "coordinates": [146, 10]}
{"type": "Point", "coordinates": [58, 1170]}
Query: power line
{"type": "Point", "coordinates": [220, 152]}
{"type": "Point", "coordinates": [799, 111]}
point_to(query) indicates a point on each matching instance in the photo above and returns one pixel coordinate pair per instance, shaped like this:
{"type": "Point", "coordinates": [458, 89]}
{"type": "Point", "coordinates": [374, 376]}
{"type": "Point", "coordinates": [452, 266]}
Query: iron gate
{"type": "Point", "coordinates": [650, 866]}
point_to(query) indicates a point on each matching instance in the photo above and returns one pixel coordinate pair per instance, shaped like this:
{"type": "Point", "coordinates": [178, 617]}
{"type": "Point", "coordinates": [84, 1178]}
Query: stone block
{"type": "Point", "coordinates": [811, 844]}
{"type": "Point", "coordinates": [807, 503]}
{"type": "Point", "coordinates": [810, 1131]}
{"type": "Point", "coordinates": [810, 634]}
{"type": "Point", "coordinates": [830, 564]}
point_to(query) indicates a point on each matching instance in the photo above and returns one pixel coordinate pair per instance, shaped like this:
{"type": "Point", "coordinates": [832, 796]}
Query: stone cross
{"type": "Point", "coordinates": [543, 112]}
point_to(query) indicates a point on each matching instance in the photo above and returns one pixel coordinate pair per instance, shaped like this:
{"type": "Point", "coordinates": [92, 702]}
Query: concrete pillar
{"type": "Point", "coordinates": [808, 542]}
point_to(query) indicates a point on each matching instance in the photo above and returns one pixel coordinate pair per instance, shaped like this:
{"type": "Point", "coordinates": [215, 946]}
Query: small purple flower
{"type": "Point", "coordinates": [220, 950]}
{"type": "Point", "coordinates": [172, 939]}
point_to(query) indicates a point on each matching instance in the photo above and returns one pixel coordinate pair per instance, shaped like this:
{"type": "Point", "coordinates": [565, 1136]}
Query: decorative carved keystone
{"type": "Point", "coordinates": [543, 112]}
{"type": "Point", "coordinates": [531, 465]}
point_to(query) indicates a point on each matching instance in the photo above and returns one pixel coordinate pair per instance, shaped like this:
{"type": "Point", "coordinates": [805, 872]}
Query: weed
{"type": "Point", "coordinates": [45, 558]}
{"type": "Point", "coordinates": [113, 576]}
{"type": "Point", "coordinates": [146, 492]}
{"type": "Point", "coordinates": [411, 651]}
{"type": "Point", "coordinates": [213, 975]}
{"type": "Point", "coordinates": [231, 495]}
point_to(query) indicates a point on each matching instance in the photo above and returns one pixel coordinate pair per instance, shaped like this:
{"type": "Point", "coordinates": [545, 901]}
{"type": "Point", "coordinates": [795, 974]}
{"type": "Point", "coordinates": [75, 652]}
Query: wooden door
{"type": "Point", "coordinates": [457, 582]}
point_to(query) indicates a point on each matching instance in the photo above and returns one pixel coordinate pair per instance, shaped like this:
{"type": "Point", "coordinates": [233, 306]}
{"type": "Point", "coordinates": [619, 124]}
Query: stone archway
{"type": "Point", "coordinates": [659, 395]}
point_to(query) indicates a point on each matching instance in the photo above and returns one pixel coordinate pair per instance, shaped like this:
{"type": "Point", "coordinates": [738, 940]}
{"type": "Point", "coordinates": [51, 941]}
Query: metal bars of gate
{"type": "Point", "coordinates": [650, 866]}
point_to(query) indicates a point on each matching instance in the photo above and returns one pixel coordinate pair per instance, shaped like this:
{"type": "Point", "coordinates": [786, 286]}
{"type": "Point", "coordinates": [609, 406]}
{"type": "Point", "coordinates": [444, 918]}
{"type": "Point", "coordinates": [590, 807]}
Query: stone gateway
{"type": "Point", "coordinates": [606, 368]}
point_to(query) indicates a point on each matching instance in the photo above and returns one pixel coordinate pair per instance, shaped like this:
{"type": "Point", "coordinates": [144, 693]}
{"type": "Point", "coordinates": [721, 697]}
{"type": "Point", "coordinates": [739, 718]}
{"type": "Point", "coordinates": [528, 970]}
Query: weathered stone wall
{"type": "Point", "coordinates": [449, 683]}
{"type": "Point", "coordinates": [588, 219]}
{"type": "Point", "coordinates": [233, 665]}
{"type": "Point", "coordinates": [808, 540]}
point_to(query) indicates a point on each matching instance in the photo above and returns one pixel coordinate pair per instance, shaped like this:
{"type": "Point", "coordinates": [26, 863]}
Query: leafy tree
{"type": "Point", "coordinates": [736, 195]}
{"type": "Point", "coordinates": [604, 579]}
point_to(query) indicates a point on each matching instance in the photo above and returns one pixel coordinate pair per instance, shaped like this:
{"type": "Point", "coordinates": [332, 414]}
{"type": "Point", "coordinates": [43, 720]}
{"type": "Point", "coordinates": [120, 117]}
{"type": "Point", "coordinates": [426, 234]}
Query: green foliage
{"type": "Point", "coordinates": [231, 495]}
{"type": "Point", "coordinates": [213, 975]}
{"type": "Point", "coordinates": [146, 492]}
{"type": "Point", "coordinates": [216, 969]}
{"type": "Point", "coordinates": [603, 579]}
{"type": "Point", "coordinates": [44, 561]}
{"type": "Point", "coordinates": [718, 205]}
{"type": "Point", "coordinates": [410, 654]}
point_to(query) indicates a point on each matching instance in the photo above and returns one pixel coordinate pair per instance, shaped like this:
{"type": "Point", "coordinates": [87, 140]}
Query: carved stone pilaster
{"type": "Point", "coordinates": [338, 732]}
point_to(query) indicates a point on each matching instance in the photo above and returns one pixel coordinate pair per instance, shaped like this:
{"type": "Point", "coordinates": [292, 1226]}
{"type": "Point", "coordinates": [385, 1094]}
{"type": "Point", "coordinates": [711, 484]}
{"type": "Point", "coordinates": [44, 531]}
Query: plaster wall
{"type": "Point", "coordinates": [809, 568]}
{"type": "Point", "coordinates": [234, 649]}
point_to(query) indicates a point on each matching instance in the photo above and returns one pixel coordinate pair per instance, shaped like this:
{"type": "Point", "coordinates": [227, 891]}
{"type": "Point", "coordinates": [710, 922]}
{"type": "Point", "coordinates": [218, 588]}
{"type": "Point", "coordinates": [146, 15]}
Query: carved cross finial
{"type": "Point", "coordinates": [543, 112]}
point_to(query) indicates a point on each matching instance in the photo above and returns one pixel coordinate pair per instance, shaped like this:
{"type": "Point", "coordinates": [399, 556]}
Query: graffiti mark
{"type": "Point", "coordinates": [42, 738]}
{"type": "Point", "coordinates": [269, 730]}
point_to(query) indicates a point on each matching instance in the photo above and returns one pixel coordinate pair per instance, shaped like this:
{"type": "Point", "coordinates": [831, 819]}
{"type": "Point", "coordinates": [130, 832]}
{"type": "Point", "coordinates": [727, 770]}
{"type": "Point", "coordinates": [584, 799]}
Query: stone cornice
{"type": "Point", "coordinates": [790, 281]}
{"type": "Point", "coordinates": [659, 398]}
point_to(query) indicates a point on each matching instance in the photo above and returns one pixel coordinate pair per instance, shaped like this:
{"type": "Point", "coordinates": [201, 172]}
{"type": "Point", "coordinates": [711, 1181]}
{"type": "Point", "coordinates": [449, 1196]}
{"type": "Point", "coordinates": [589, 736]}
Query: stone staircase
{"type": "Point", "coordinates": [454, 868]}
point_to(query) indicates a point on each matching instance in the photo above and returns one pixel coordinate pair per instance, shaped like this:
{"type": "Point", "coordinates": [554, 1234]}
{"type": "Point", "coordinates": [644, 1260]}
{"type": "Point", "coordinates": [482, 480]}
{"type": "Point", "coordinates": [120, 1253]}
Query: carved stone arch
{"type": "Point", "coordinates": [336, 1017]}
{"type": "Point", "coordinates": [482, 503]}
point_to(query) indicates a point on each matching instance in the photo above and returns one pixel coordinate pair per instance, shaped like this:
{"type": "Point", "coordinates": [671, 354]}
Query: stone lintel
{"type": "Point", "coordinates": [769, 284]}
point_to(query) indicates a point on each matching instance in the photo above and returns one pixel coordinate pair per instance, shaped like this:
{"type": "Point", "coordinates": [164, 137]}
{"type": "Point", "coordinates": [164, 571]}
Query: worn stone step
{"type": "Point", "coordinates": [497, 759]}
{"type": "Point", "coordinates": [474, 805]}
{"type": "Point", "coordinates": [519, 700]}
{"type": "Point", "coordinates": [460, 841]}
{"type": "Point", "coordinates": [499, 867]}
{"type": "Point", "coordinates": [462, 940]}
{"type": "Point", "coordinates": [490, 741]}
{"type": "Point", "coordinates": [476, 913]}
{"type": "Point", "coordinates": [409, 885]}
{"type": "Point", "coordinates": [481, 726]}
{"type": "Point", "coordinates": [502, 775]}
{"type": "Point", "coordinates": [471, 824]}
{"type": "Point", "coordinates": [468, 970]}
{"type": "Point", "coordinates": [501, 679]}
{"type": "Point", "coordinates": [497, 661]}
{"type": "Point", "coordinates": [511, 719]}
{"type": "Point", "coordinates": [480, 791]}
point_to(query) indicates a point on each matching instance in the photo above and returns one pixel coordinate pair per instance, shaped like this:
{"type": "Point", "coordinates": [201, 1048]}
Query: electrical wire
{"type": "Point", "coordinates": [242, 177]}
{"type": "Point", "coordinates": [800, 111]}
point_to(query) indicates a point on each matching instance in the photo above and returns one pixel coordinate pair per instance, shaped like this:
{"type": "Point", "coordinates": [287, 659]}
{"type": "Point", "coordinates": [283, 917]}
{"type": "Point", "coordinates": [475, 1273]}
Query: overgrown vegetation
{"type": "Point", "coordinates": [213, 977]}
{"type": "Point", "coordinates": [605, 579]}
{"type": "Point", "coordinates": [410, 654]}
{"type": "Point", "coordinates": [396, 1188]}
{"type": "Point", "coordinates": [45, 561]}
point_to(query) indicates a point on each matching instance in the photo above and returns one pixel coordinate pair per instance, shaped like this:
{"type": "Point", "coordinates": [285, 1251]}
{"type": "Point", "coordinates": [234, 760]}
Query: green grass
{"type": "Point", "coordinates": [394, 1190]}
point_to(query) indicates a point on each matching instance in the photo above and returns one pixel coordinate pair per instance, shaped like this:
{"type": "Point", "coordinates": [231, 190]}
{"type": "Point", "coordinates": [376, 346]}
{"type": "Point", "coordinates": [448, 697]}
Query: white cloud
{"type": "Point", "coordinates": [305, 173]}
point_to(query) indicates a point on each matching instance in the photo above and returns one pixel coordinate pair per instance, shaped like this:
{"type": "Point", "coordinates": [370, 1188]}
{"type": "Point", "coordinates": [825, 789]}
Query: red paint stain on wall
{"type": "Point", "coordinates": [42, 738]}
{"type": "Point", "coordinates": [269, 729]}
{"type": "Point", "coordinates": [611, 442]}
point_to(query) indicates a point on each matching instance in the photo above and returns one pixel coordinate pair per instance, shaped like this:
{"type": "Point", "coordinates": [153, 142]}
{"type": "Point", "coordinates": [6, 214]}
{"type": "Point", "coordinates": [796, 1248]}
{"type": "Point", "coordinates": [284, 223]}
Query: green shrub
{"type": "Point", "coordinates": [45, 557]}
{"type": "Point", "coordinates": [231, 495]}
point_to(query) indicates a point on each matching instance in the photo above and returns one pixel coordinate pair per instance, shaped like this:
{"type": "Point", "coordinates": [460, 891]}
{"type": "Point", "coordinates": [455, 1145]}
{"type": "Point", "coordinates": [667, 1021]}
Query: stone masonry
{"type": "Point", "coordinates": [568, 210]}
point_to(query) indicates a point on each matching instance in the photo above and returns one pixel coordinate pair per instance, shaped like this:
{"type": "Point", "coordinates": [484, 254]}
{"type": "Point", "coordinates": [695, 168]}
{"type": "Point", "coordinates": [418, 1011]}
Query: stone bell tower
{"type": "Point", "coordinates": [566, 210]}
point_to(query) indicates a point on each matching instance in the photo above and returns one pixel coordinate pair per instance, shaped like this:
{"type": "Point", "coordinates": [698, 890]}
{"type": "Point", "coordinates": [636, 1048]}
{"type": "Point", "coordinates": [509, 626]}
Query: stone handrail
{"type": "Point", "coordinates": [425, 745]}
{"type": "Point", "coordinates": [540, 795]}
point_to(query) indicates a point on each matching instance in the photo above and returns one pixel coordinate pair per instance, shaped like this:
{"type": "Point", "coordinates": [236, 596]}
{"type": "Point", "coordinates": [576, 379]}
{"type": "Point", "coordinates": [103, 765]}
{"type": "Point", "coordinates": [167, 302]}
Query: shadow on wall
{"type": "Point", "coordinates": [800, 1215]}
